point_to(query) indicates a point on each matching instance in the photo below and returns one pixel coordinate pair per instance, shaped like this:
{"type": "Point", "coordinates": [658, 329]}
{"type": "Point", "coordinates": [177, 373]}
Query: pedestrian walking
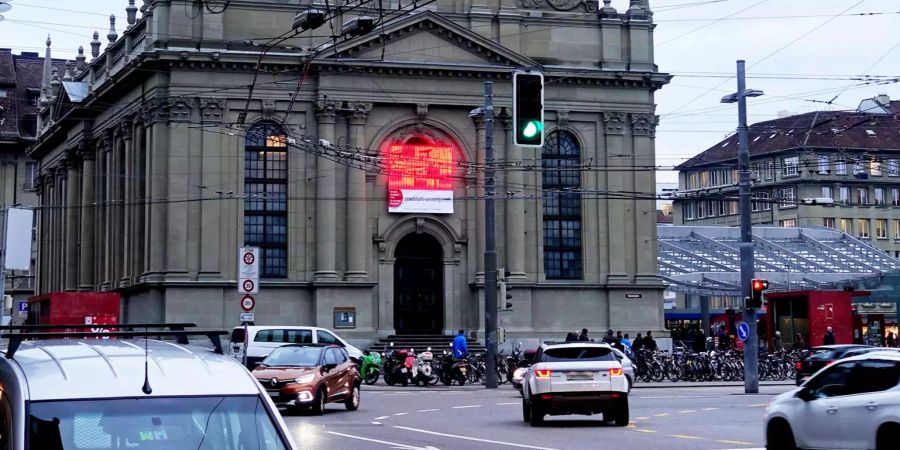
{"type": "Point", "coordinates": [626, 342]}
{"type": "Point", "coordinates": [638, 344]}
{"type": "Point", "coordinates": [798, 343]}
{"type": "Point", "coordinates": [776, 342]}
{"type": "Point", "coordinates": [649, 342]}
{"type": "Point", "coordinates": [829, 337]}
{"type": "Point", "coordinates": [571, 337]}
{"type": "Point", "coordinates": [584, 335]}
{"type": "Point", "coordinates": [891, 340]}
{"type": "Point", "coordinates": [699, 342]}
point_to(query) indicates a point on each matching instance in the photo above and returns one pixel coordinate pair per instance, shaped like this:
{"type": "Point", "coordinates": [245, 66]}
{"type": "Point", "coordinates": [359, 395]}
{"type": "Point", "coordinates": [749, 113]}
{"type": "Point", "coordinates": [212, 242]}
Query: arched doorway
{"type": "Point", "coordinates": [418, 285]}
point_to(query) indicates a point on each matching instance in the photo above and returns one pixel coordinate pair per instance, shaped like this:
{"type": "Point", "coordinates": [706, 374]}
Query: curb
{"type": "Point", "coordinates": [710, 384]}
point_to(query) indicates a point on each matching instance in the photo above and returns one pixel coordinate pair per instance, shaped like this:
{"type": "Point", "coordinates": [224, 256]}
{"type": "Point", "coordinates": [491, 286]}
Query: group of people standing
{"type": "Point", "coordinates": [622, 342]}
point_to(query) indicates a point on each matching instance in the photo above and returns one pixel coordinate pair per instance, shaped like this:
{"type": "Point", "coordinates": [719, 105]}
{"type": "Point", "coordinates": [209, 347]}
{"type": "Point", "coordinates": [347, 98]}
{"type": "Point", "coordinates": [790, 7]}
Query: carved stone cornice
{"type": "Point", "coordinates": [504, 118]}
{"type": "Point", "coordinates": [614, 122]}
{"type": "Point", "coordinates": [104, 143]}
{"type": "Point", "coordinates": [562, 119]}
{"type": "Point", "coordinates": [421, 111]}
{"type": "Point", "coordinates": [155, 111]}
{"type": "Point", "coordinates": [212, 108]}
{"type": "Point", "coordinates": [268, 108]}
{"type": "Point", "coordinates": [85, 150]}
{"type": "Point", "coordinates": [326, 111]}
{"type": "Point", "coordinates": [180, 109]}
{"type": "Point", "coordinates": [558, 5]}
{"type": "Point", "coordinates": [358, 113]}
{"type": "Point", "coordinates": [644, 124]}
{"type": "Point", "coordinates": [477, 116]}
{"type": "Point", "coordinates": [125, 130]}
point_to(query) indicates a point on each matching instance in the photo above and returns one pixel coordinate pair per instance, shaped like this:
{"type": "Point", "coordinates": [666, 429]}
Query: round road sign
{"type": "Point", "coordinates": [248, 303]}
{"type": "Point", "coordinates": [249, 259]}
{"type": "Point", "coordinates": [248, 285]}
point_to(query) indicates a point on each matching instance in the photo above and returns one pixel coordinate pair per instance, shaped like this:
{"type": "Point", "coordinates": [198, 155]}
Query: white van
{"type": "Point", "coordinates": [263, 339]}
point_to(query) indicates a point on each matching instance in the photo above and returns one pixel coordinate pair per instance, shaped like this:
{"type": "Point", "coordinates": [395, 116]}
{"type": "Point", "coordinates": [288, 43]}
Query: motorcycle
{"type": "Point", "coordinates": [395, 367]}
{"type": "Point", "coordinates": [423, 371]}
{"type": "Point", "coordinates": [454, 370]}
{"type": "Point", "coordinates": [370, 367]}
{"type": "Point", "coordinates": [513, 361]}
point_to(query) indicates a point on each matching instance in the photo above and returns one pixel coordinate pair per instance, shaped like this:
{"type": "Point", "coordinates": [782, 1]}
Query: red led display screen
{"type": "Point", "coordinates": [420, 178]}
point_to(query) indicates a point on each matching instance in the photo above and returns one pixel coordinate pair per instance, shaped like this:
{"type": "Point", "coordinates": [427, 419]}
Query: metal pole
{"type": "Point", "coordinates": [5, 212]}
{"type": "Point", "coordinates": [490, 242]}
{"type": "Point", "coordinates": [704, 316]}
{"type": "Point", "coordinates": [751, 352]}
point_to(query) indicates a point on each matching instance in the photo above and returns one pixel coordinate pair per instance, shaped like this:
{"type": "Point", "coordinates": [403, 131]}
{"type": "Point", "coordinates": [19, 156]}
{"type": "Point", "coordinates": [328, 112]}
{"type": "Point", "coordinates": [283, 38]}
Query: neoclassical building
{"type": "Point", "coordinates": [356, 164]}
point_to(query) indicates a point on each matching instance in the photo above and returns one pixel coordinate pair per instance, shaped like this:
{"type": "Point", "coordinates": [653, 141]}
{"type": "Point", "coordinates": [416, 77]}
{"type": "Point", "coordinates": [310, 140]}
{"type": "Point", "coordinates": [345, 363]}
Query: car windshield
{"type": "Point", "coordinates": [563, 354]}
{"type": "Point", "coordinates": [171, 423]}
{"type": "Point", "coordinates": [294, 357]}
{"type": "Point", "coordinates": [820, 354]}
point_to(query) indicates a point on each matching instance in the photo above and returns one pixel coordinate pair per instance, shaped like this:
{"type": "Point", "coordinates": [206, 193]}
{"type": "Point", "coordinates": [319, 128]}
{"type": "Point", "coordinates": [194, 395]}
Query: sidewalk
{"type": "Point", "coordinates": [699, 384]}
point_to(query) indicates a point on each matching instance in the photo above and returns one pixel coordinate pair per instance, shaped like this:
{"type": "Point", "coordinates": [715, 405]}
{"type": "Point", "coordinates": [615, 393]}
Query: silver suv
{"type": "Point", "coordinates": [118, 389]}
{"type": "Point", "coordinates": [575, 378]}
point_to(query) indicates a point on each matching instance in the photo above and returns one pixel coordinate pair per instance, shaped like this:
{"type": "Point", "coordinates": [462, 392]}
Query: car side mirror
{"type": "Point", "coordinates": [806, 395]}
{"type": "Point", "coordinates": [330, 366]}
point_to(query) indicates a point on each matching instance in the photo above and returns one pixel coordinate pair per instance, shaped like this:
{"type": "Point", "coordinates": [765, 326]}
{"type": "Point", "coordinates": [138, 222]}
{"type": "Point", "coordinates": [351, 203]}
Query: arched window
{"type": "Point", "coordinates": [562, 208]}
{"type": "Point", "coordinates": [265, 205]}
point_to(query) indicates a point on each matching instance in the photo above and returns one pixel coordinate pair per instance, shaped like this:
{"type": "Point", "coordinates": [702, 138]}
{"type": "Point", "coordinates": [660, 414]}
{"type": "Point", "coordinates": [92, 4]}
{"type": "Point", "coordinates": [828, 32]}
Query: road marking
{"type": "Point", "coordinates": [392, 444]}
{"type": "Point", "coordinates": [467, 438]}
{"type": "Point", "coordinates": [401, 414]}
{"type": "Point", "coordinates": [745, 448]}
{"type": "Point", "coordinates": [428, 410]}
{"type": "Point", "coordinates": [382, 417]}
{"type": "Point", "coordinates": [661, 415]}
{"type": "Point", "coordinates": [687, 411]}
{"type": "Point", "coordinates": [507, 404]}
{"type": "Point", "coordinates": [684, 436]}
{"type": "Point", "coordinates": [641, 418]}
{"type": "Point", "coordinates": [710, 409]}
{"type": "Point", "coordinates": [376, 423]}
{"type": "Point", "coordinates": [467, 406]}
{"type": "Point", "coordinates": [758, 405]}
{"type": "Point", "coordinates": [726, 441]}
{"type": "Point", "coordinates": [644, 430]}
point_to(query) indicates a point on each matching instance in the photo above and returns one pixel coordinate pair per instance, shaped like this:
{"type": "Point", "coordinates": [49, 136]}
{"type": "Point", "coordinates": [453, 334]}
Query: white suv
{"type": "Point", "coordinates": [575, 378]}
{"type": "Point", "coordinates": [853, 403]}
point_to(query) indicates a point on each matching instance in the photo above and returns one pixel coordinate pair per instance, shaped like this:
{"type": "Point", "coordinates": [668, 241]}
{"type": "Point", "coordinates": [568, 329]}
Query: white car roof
{"type": "Point", "coordinates": [547, 345]}
{"type": "Point", "coordinates": [110, 368]}
{"type": "Point", "coordinates": [887, 353]}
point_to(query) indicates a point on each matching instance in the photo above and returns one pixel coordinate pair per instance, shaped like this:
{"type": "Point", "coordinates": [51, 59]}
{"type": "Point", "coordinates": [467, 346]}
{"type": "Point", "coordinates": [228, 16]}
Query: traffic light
{"type": "Point", "coordinates": [528, 109]}
{"type": "Point", "coordinates": [757, 286]}
{"type": "Point", "coordinates": [505, 297]}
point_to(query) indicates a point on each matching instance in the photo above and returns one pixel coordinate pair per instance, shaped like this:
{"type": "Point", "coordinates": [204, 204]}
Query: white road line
{"type": "Point", "coordinates": [758, 405]}
{"type": "Point", "coordinates": [428, 410]}
{"type": "Point", "coordinates": [382, 417]}
{"type": "Point", "coordinates": [392, 444]}
{"type": "Point", "coordinates": [401, 414]}
{"type": "Point", "coordinates": [710, 409]}
{"type": "Point", "coordinates": [467, 406]}
{"type": "Point", "coordinates": [507, 404]}
{"type": "Point", "coordinates": [376, 423]}
{"type": "Point", "coordinates": [467, 438]}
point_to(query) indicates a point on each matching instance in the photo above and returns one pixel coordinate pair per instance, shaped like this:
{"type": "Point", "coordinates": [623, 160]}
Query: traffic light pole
{"type": "Point", "coordinates": [751, 345]}
{"type": "Point", "coordinates": [490, 242]}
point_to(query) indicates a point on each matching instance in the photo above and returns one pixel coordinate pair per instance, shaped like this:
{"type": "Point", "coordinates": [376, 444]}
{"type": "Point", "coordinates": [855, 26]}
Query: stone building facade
{"type": "Point", "coordinates": [158, 164]}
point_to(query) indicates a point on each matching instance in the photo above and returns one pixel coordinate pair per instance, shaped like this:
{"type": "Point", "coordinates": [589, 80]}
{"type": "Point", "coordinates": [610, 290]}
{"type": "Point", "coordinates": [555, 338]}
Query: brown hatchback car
{"type": "Point", "coordinates": [309, 376]}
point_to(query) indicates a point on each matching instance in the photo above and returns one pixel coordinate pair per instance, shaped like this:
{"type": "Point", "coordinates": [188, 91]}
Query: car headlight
{"type": "Point", "coordinates": [304, 379]}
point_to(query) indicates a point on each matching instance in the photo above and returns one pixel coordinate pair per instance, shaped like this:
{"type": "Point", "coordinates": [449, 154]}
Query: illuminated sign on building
{"type": "Point", "coordinates": [420, 178]}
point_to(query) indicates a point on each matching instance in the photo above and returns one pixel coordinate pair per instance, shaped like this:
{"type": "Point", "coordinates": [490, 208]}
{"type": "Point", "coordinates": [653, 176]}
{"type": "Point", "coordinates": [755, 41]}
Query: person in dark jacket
{"type": "Point", "coordinates": [609, 338]}
{"type": "Point", "coordinates": [829, 337]}
{"type": "Point", "coordinates": [699, 342]}
{"type": "Point", "coordinates": [571, 337]}
{"type": "Point", "coordinates": [638, 344]}
{"type": "Point", "coordinates": [584, 335]}
{"type": "Point", "coordinates": [649, 342]}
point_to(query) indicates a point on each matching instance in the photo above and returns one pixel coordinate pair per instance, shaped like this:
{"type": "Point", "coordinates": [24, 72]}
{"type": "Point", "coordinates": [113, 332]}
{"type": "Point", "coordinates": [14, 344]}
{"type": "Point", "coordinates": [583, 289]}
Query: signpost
{"type": "Point", "coordinates": [248, 283]}
{"type": "Point", "coordinates": [743, 331]}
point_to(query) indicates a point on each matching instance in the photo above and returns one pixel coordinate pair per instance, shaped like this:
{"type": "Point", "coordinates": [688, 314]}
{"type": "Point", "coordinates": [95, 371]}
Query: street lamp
{"type": "Point", "coordinates": [751, 354]}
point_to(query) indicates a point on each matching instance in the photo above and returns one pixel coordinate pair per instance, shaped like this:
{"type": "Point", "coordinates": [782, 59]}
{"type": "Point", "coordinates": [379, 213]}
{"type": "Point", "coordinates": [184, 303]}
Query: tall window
{"type": "Point", "coordinates": [879, 196]}
{"type": "Point", "coordinates": [790, 166]}
{"type": "Point", "coordinates": [847, 226]}
{"type": "Point", "coordinates": [845, 195]}
{"type": "Point", "coordinates": [824, 164]}
{"type": "Point", "coordinates": [827, 192]}
{"type": "Point", "coordinates": [862, 196]}
{"type": "Point", "coordinates": [265, 204]}
{"type": "Point", "coordinates": [863, 229]}
{"type": "Point", "coordinates": [840, 167]}
{"type": "Point", "coordinates": [562, 210]}
{"type": "Point", "coordinates": [787, 198]}
{"type": "Point", "coordinates": [829, 222]}
{"type": "Point", "coordinates": [881, 231]}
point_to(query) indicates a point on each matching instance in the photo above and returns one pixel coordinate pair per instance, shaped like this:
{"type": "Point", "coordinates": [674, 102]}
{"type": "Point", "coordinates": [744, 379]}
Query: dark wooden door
{"type": "Point", "coordinates": [418, 286]}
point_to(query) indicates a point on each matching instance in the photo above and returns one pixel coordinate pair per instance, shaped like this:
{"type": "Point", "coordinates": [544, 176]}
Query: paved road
{"type": "Point", "coordinates": [676, 418]}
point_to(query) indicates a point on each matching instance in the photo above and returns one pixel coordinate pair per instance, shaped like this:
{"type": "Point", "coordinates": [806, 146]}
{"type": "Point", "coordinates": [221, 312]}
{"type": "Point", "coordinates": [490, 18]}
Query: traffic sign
{"type": "Point", "coordinates": [248, 303]}
{"type": "Point", "coordinates": [743, 331]}
{"type": "Point", "coordinates": [248, 270]}
{"type": "Point", "coordinates": [248, 317]}
{"type": "Point", "coordinates": [23, 309]}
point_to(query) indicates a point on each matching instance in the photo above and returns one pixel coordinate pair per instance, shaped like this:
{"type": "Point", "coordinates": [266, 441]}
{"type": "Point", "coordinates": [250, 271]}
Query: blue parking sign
{"type": "Point", "coordinates": [23, 306]}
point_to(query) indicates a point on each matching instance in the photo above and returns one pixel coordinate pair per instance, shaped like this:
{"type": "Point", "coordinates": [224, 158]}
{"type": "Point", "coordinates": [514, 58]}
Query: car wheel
{"type": "Point", "coordinates": [352, 402]}
{"type": "Point", "coordinates": [621, 414]}
{"type": "Point", "coordinates": [888, 436]}
{"type": "Point", "coordinates": [526, 411]}
{"type": "Point", "coordinates": [779, 436]}
{"type": "Point", "coordinates": [318, 407]}
{"type": "Point", "coordinates": [536, 415]}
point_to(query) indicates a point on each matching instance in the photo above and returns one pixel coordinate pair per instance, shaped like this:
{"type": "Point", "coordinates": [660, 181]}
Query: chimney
{"type": "Point", "coordinates": [883, 99]}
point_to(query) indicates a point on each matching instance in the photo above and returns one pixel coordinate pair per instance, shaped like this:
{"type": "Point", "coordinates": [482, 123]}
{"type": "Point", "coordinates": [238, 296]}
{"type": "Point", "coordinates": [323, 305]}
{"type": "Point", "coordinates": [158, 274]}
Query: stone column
{"type": "Point", "coordinates": [88, 200]}
{"type": "Point", "coordinates": [73, 202]}
{"type": "Point", "coordinates": [614, 126]}
{"type": "Point", "coordinates": [157, 174]}
{"type": "Point", "coordinates": [178, 223]}
{"type": "Point", "coordinates": [514, 204]}
{"type": "Point", "coordinates": [41, 259]}
{"type": "Point", "coordinates": [479, 196]}
{"type": "Point", "coordinates": [58, 228]}
{"type": "Point", "coordinates": [126, 246]}
{"type": "Point", "coordinates": [357, 218]}
{"type": "Point", "coordinates": [326, 204]}
{"type": "Point", "coordinates": [47, 233]}
{"type": "Point", "coordinates": [643, 127]}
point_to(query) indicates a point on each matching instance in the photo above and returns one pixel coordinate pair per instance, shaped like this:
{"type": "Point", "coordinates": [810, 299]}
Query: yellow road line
{"type": "Point", "coordinates": [684, 436]}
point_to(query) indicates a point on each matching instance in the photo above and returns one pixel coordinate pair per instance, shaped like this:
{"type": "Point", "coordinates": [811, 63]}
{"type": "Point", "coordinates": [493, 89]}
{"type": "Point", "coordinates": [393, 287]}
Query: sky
{"type": "Point", "coordinates": [801, 53]}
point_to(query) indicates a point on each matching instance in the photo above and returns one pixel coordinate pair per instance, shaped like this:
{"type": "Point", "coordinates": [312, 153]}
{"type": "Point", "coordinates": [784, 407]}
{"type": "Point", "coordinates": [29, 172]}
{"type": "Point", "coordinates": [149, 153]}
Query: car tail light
{"type": "Point", "coordinates": [616, 395]}
{"type": "Point", "coordinates": [798, 365]}
{"type": "Point", "coordinates": [546, 397]}
{"type": "Point", "coordinates": [616, 372]}
{"type": "Point", "coordinates": [543, 373]}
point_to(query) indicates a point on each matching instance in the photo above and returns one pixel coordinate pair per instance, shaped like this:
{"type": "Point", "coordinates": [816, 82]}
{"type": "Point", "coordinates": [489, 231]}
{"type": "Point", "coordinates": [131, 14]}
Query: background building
{"type": "Point", "coordinates": [20, 90]}
{"type": "Point", "coordinates": [356, 167]}
{"type": "Point", "coordinates": [838, 169]}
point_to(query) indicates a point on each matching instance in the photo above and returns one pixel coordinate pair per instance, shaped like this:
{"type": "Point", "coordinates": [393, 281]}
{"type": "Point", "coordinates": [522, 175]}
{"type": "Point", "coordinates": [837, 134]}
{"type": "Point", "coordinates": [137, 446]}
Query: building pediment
{"type": "Point", "coordinates": [428, 38]}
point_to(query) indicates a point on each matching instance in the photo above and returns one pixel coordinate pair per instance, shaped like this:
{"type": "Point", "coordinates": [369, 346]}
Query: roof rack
{"type": "Point", "coordinates": [175, 326]}
{"type": "Point", "coordinates": [15, 339]}
{"type": "Point", "coordinates": [573, 342]}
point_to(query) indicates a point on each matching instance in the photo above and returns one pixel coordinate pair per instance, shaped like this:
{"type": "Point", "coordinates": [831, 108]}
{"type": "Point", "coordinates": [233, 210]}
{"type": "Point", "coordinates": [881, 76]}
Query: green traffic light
{"type": "Point", "coordinates": [532, 128]}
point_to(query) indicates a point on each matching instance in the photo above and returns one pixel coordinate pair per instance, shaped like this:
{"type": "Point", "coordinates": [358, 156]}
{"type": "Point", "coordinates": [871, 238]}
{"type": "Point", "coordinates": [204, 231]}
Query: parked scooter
{"type": "Point", "coordinates": [513, 361]}
{"type": "Point", "coordinates": [423, 370]}
{"type": "Point", "coordinates": [370, 367]}
{"type": "Point", "coordinates": [454, 370]}
{"type": "Point", "coordinates": [395, 367]}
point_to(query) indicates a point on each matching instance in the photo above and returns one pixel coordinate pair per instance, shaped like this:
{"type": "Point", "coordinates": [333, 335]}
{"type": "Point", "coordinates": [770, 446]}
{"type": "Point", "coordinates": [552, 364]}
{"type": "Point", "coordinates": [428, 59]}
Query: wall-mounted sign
{"type": "Point", "coordinates": [633, 295]}
{"type": "Point", "coordinates": [420, 178]}
{"type": "Point", "coordinates": [345, 317]}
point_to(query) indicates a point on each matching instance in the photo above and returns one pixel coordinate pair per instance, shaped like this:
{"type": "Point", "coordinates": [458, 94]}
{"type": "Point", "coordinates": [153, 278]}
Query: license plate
{"type": "Point", "coordinates": [403, 370]}
{"type": "Point", "coordinates": [580, 376]}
